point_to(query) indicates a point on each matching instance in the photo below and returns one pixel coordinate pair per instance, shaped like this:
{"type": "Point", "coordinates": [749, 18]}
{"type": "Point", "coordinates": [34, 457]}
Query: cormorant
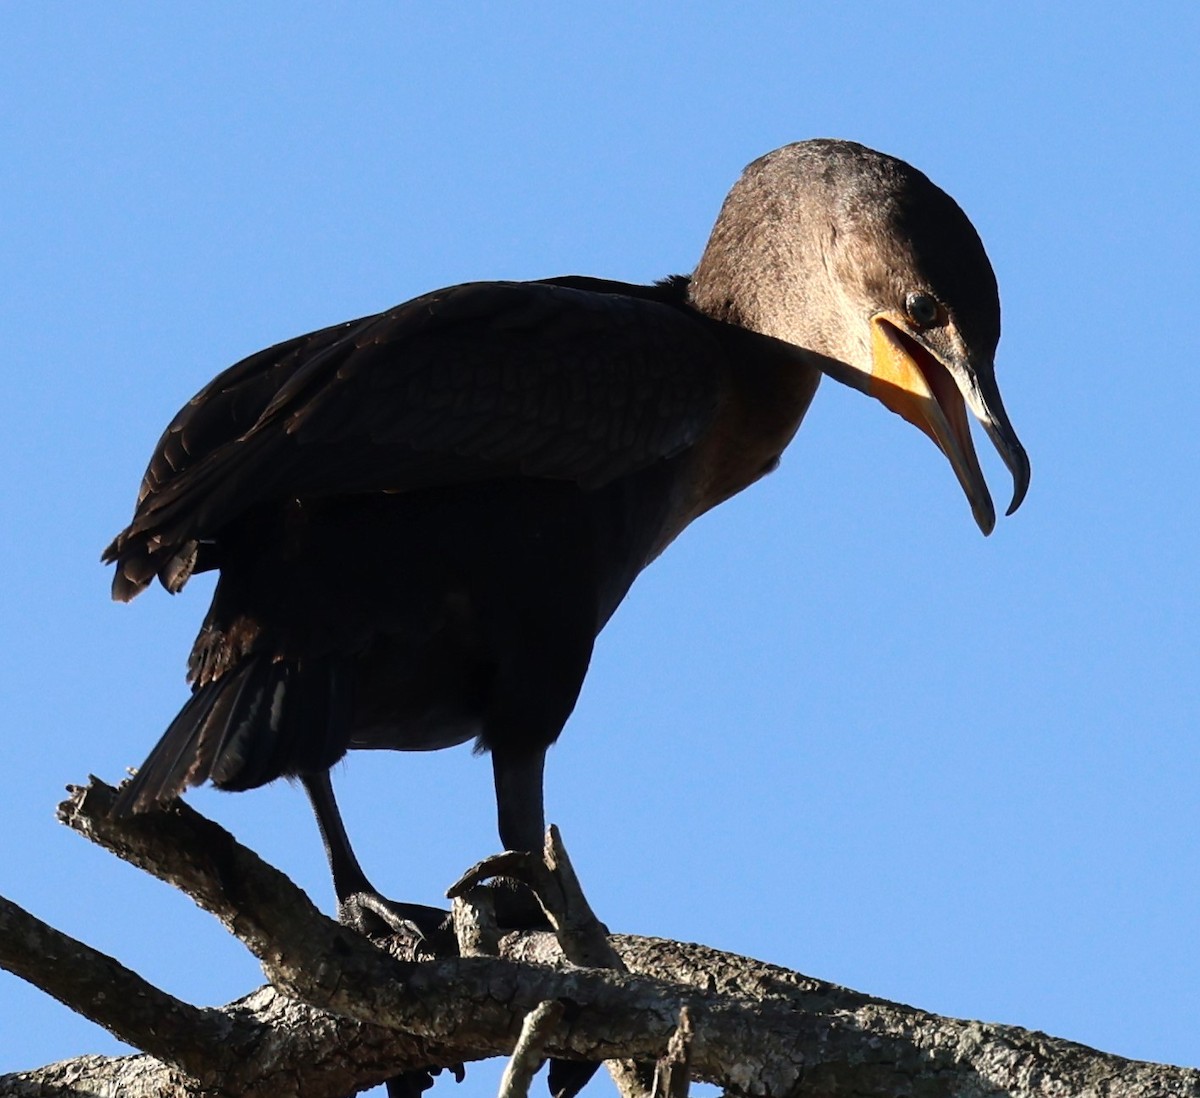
{"type": "Point", "coordinates": [423, 518]}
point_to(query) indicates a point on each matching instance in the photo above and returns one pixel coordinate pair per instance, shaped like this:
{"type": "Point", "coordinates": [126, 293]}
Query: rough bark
{"type": "Point", "coordinates": [342, 1014]}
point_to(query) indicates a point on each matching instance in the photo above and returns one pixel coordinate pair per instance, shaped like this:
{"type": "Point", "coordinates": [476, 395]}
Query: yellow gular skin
{"type": "Point", "coordinates": [909, 379]}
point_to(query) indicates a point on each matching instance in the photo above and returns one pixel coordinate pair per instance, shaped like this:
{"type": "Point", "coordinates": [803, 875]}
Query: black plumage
{"type": "Point", "coordinates": [422, 519]}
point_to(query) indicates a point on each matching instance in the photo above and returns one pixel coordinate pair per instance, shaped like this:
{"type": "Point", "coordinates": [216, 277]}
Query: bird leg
{"type": "Point", "coordinates": [519, 901]}
{"type": "Point", "coordinates": [520, 815]}
{"type": "Point", "coordinates": [360, 904]}
{"type": "Point", "coordinates": [521, 821]}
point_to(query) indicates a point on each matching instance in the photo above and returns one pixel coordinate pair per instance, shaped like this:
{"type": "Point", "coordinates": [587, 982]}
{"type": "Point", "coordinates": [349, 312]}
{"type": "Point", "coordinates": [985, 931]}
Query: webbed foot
{"type": "Point", "coordinates": [412, 1084]}
{"type": "Point", "coordinates": [377, 917]}
{"type": "Point", "coordinates": [541, 888]}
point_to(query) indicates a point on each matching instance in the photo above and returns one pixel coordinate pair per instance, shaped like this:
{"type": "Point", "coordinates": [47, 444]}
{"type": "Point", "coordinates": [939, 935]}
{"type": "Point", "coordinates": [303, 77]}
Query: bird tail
{"type": "Point", "coordinates": [260, 721]}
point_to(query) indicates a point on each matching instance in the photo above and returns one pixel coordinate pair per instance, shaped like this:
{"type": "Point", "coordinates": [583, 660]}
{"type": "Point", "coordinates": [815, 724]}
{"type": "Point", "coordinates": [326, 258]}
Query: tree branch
{"type": "Point", "coordinates": [366, 1014]}
{"type": "Point", "coordinates": [105, 991]}
{"type": "Point", "coordinates": [673, 1072]}
{"type": "Point", "coordinates": [527, 1056]}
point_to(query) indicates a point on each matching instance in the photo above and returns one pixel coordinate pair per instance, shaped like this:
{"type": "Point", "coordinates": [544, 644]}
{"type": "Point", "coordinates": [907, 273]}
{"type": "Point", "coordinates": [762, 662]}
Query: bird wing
{"type": "Point", "coordinates": [569, 382]}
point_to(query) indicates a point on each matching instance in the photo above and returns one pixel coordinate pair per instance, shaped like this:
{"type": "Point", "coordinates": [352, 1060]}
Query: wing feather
{"type": "Point", "coordinates": [476, 382]}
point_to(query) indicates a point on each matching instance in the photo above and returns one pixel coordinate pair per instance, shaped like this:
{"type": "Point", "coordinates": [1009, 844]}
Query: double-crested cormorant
{"type": "Point", "coordinates": [423, 518]}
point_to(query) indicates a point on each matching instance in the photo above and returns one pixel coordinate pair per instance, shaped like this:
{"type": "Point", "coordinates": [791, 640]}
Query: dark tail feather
{"type": "Point", "coordinates": [300, 722]}
{"type": "Point", "coordinates": [259, 722]}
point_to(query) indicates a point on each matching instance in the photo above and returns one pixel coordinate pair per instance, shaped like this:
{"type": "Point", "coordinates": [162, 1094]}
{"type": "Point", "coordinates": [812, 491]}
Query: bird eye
{"type": "Point", "coordinates": [922, 309]}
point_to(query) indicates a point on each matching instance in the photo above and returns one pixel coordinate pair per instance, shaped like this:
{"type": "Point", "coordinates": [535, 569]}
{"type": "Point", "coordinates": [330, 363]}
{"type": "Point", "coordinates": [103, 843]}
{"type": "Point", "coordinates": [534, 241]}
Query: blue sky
{"type": "Point", "coordinates": [833, 727]}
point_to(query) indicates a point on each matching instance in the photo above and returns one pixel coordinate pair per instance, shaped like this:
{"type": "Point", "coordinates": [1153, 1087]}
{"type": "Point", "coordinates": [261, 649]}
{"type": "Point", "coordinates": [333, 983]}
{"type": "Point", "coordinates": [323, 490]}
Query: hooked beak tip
{"type": "Point", "coordinates": [1018, 463]}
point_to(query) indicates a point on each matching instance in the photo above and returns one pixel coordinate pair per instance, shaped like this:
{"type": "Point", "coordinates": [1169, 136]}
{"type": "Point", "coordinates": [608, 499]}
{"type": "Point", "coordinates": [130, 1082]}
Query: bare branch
{"type": "Point", "coordinates": [302, 1053]}
{"type": "Point", "coordinates": [102, 1077]}
{"type": "Point", "coordinates": [298, 946]}
{"type": "Point", "coordinates": [758, 1029]}
{"type": "Point", "coordinates": [473, 915]}
{"type": "Point", "coordinates": [673, 1073]}
{"type": "Point", "coordinates": [583, 938]}
{"type": "Point", "coordinates": [527, 1057]}
{"type": "Point", "coordinates": [116, 998]}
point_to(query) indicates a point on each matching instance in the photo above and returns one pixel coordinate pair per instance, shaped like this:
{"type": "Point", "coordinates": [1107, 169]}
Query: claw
{"type": "Point", "coordinates": [378, 917]}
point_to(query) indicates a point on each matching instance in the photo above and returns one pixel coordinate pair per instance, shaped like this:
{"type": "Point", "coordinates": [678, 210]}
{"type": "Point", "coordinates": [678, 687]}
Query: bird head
{"type": "Point", "coordinates": [857, 258]}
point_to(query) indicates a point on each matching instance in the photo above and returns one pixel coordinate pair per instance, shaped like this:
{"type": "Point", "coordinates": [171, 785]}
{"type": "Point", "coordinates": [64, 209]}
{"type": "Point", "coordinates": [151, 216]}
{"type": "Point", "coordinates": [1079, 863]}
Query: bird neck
{"type": "Point", "coordinates": [770, 275]}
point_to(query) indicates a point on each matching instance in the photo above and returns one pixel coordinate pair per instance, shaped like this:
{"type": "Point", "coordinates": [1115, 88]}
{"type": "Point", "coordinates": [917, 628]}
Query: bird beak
{"type": "Point", "coordinates": [933, 393]}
